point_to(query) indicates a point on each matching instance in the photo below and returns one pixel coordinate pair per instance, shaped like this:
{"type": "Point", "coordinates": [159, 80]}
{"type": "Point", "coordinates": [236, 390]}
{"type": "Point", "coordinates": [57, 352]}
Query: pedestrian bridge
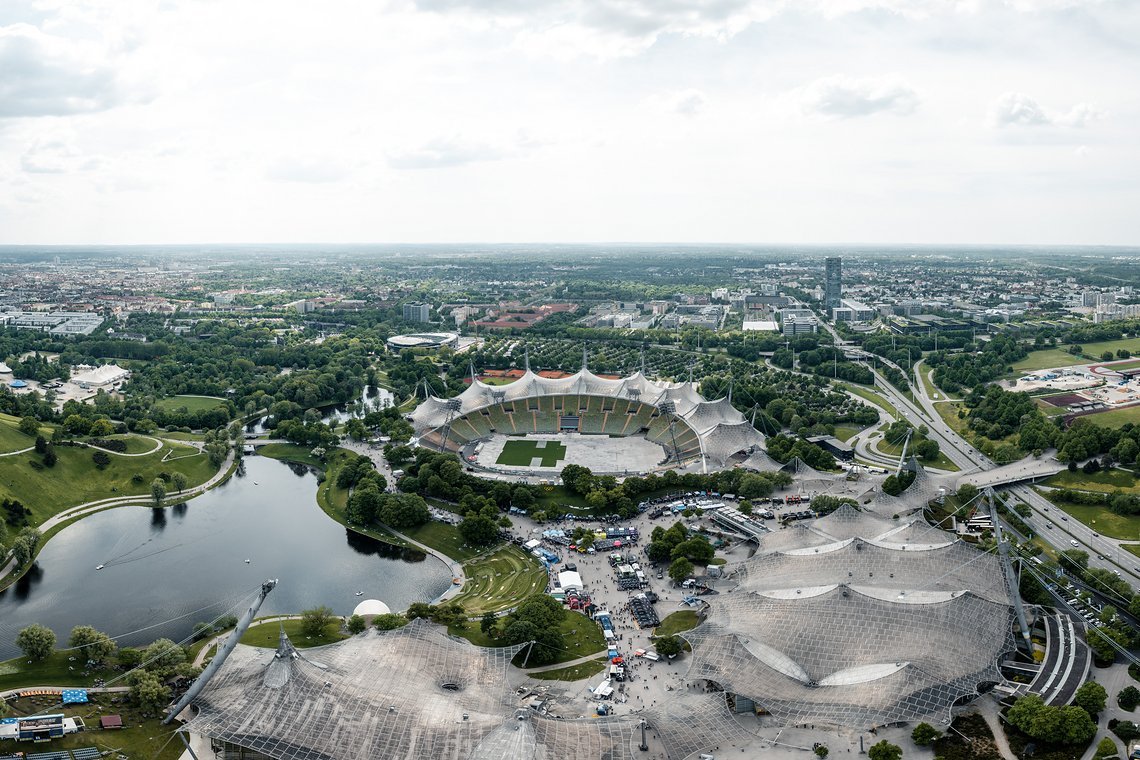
{"type": "Point", "coordinates": [1017, 472]}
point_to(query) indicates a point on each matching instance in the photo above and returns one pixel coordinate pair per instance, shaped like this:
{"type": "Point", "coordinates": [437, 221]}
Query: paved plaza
{"type": "Point", "coordinates": [628, 455]}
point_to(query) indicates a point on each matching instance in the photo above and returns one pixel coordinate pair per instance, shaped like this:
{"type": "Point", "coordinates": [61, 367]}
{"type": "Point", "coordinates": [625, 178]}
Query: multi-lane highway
{"type": "Point", "coordinates": [1103, 552]}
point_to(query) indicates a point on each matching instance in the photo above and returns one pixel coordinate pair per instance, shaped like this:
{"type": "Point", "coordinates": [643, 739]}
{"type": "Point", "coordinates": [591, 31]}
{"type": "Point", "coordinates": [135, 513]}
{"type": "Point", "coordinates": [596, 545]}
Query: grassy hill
{"type": "Point", "coordinates": [75, 479]}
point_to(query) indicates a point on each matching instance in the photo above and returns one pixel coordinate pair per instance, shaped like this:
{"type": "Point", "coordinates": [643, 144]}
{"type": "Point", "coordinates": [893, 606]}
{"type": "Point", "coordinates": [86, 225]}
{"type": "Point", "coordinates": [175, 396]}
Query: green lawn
{"type": "Point", "coordinates": [11, 439]}
{"type": "Point", "coordinates": [895, 450]}
{"type": "Point", "coordinates": [500, 581]}
{"type": "Point", "coordinates": [1116, 417]}
{"type": "Point", "coordinates": [1105, 481]}
{"type": "Point", "coordinates": [190, 403]}
{"type": "Point", "coordinates": [53, 671]}
{"type": "Point", "coordinates": [573, 672]}
{"type": "Point", "coordinates": [681, 620]}
{"type": "Point", "coordinates": [75, 479]}
{"type": "Point", "coordinates": [268, 634]}
{"type": "Point", "coordinates": [178, 435]}
{"type": "Point", "coordinates": [846, 432]}
{"type": "Point", "coordinates": [444, 538]}
{"type": "Point", "coordinates": [580, 637]}
{"type": "Point", "coordinates": [1096, 349]}
{"type": "Point", "coordinates": [1047, 358]}
{"type": "Point", "coordinates": [523, 453]}
{"type": "Point", "coordinates": [874, 398]}
{"type": "Point", "coordinates": [1131, 548]}
{"type": "Point", "coordinates": [135, 444]}
{"type": "Point", "coordinates": [290, 452]}
{"type": "Point", "coordinates": [1100, 519]}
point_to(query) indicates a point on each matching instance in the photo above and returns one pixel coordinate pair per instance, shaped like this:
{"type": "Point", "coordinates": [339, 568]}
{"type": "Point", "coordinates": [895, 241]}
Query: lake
{"type": "Point", "coordinates": [189, 562]}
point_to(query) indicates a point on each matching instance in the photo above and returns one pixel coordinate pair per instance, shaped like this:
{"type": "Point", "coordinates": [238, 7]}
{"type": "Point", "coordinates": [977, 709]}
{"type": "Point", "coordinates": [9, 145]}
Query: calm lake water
{"type": "Point", "coordinates": [160, 564]}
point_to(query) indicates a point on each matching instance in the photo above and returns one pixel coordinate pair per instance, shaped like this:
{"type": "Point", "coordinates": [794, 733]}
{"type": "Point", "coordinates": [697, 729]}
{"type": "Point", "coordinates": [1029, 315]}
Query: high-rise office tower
{"type": "Point", "coordinates": [833, 282]}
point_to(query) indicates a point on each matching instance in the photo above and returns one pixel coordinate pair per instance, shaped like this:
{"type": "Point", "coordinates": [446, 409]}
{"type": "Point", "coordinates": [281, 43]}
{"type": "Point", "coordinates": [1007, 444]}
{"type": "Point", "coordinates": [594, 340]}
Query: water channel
{"type": "Point", "coordinates": [190, 561]}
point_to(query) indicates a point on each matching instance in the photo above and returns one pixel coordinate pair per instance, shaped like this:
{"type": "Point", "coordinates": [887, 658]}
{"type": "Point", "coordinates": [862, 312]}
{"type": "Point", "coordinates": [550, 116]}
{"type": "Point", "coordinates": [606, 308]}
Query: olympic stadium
{"type": "Point", "coordinates": [614, 426]}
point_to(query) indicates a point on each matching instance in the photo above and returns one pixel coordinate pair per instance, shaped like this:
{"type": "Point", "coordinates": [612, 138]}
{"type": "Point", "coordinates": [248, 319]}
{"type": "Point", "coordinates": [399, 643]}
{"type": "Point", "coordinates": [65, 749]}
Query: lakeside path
{"type": "Point", "coordinates": [82, 510]}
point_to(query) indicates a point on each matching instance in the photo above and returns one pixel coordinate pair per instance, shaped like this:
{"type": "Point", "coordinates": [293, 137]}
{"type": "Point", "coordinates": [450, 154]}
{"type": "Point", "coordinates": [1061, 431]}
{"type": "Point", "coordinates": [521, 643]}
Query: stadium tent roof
{"type": "Point", "coordinates": [842, 656]}
{"type": "Point", "coordinates": [721, 429]}
{"type": "Point", "coordinates": [417, 692]}
{"type": "Point", "coordinates": [826, 626]}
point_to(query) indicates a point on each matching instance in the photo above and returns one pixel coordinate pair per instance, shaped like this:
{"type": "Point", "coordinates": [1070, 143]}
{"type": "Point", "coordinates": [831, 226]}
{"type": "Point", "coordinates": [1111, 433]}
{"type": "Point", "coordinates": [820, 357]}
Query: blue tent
{"type": "Point", "coordinates": [18, 384]}
{"type": "Point", "coordinates": [74, 696]}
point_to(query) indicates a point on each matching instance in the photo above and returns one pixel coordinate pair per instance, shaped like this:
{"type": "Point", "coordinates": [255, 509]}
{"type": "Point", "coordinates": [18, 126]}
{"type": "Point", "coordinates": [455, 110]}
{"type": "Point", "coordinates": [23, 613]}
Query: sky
{"type": "Point", "coordinates": [736, 121]}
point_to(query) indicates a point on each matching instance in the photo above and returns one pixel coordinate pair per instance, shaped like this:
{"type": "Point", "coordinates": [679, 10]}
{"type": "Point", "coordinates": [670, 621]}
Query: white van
{"type": "Point", "coordinates": [1074, 543]}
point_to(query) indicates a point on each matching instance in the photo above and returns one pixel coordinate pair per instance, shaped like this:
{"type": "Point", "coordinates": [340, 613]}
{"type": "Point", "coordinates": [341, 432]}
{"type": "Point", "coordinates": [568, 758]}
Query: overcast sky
{"type": "Point", "coordinates": [906, 121]}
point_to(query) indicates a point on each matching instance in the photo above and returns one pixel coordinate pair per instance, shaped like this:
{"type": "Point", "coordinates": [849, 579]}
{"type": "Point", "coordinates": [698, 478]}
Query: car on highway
{"type": "Point", "coordinates": [1064, 518]}
{"type": "Point", "coordinates": [1049, 525]}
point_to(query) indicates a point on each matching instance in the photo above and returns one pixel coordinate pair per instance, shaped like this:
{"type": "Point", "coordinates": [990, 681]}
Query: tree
{"type": "Point", "coordinates": [30, 426]}
{"type": "Point", "coordinates": [1090, 697]}
{"type": "Point", "coordinates": [1128, 698]}
{"type": "Point", "coordinates": [41, 445]}
{"type": "Point", "coordinates": [50, 457]}
{"type": "Point", "coordinates": [487, 624]}
{"type": "Point", "coordinates": [355, 624]}
{"type": "Point", "coordinates": [680, 569]}
{"type": "Point", "coordinates": [163, 656]}
{"type": "Point", "coordinates": [745, 507]}
{"type": "Point", "coordinates": [821, 750]}
{"type": "Point", "coordinates": [1106, 356]}
{"type": "Point", "coordinates": [668, 645]}
{"type": "Point", "coordinates": [928, 450]}
{"type": "Point", "coordinates": [36, 641]}
{"type": "Point", "coordinates": [100, 428]}
{"type": "Point", "coordinates": [967, 492]}
{"type": "Point", "coordinates": [884, 750]}
{"type": "Point", "coordinates": [101, 459]}
{"type": "Point", "coordinates": [178, 480]}
{"type": "Point", "coordinates": [148, 692]}
{"type": "Point", "coordinates": [94, 645]}
{"type": "Point", "coordinates": [925, 734]}
{"type": "Point", "coordinates": [389, 621]}
{"type": "Point", "coordinates": [479, 529]}
{"type": "Point", "coordinates": [315, 621]}
{"type": "Point", "coordinates": [158, 491]}
{"type": "Point", "coordinates": [202, 630]}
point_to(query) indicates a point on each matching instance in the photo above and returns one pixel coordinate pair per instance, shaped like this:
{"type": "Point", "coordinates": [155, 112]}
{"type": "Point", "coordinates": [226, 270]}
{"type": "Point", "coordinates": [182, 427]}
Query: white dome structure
{"type": "Point", "coordinates": [370, 608]}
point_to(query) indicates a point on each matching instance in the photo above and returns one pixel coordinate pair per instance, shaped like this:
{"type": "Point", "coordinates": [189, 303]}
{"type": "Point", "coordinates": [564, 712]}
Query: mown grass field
{"type": "Point", "coordinates": [75, 479]}
{"type": "Point", "coordinates": [1105, 481]}
{"type": "Point", "coordinates": [681, 620]}
{"type": "Point", "coordinates": [1047, 358]}
{"type": "Point", "coordinates": [500, 581]}
{"type": "Point", "coordinates": [11, 439]}
{"type": "Point", "coordinates": [846, 432]}
{"type": "Point", "coordinates": [523, 453]}
{"type": "Point", "coordinates": [268, 634]}
{"type": "Point", "coordinates": [1096, 349]}
{"type": "Point", "coordinates": [135, 444]}
{"type": "Point", "coordinates": [444, 538]}
{"type": "Point", "coordinates": [190, 403]}
{"type": "Point", "coordinates": [290, 452]}
{"type": "Point", "coordinates": [895, 450]}
{"type": "Point", "coordinates": [1116, 417]}
{"type": "Point", "coordinates": [874, 398]}
{"type": "Point", "coordinates": [55, 670]}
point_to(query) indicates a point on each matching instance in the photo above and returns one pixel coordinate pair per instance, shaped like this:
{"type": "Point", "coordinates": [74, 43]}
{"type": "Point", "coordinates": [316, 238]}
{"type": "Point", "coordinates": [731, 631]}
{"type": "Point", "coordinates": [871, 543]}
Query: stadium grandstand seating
{"type": "Point", "coordinates": [546, 422]}
{"type": "Point", "coordinates": [462, 427]}
{"type": "Point", "coordinates": [481, 422]}
{"type": "Point", "coordinates": [593, 424]}
{"type": "Point", "coordinates": [640, 419]}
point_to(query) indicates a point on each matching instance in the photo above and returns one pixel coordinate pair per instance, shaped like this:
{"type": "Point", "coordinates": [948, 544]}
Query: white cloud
{"type": "Point", "coordinates": [56, 154]}
{"type": "Point", "coordinates": [1016, 109]}
{"type": "Point", "coordinates": [312, 170]}
{"type": "Point", "coordinates": [845, 97]}
{"type": "Point", "coordinates": [444, 152]}
{"type": "Point", "coordinates": [45, 75]}
{"type": "Point", "coordinates": [689, 103]}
